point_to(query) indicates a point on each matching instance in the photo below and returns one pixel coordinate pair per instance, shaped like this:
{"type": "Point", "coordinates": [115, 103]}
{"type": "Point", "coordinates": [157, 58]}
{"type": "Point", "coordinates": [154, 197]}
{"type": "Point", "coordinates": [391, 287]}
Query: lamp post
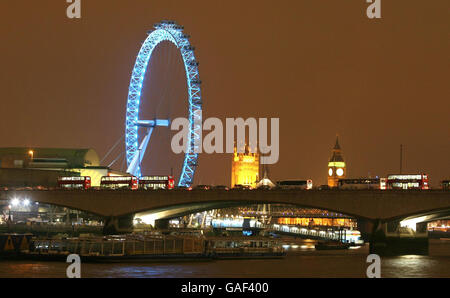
{"type": "Point", "coordinates": [31, 154]}
{"type": "Point", "coordinates": [9, 219]}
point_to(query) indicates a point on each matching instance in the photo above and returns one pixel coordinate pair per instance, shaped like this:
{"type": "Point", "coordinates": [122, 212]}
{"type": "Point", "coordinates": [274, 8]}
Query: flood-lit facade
{"type": "Point", "coordinates": [329, 222]}
{"type": "Point", "coordinates": [336, 166]}
{"type": "Point", "coordinates": [245, 168]}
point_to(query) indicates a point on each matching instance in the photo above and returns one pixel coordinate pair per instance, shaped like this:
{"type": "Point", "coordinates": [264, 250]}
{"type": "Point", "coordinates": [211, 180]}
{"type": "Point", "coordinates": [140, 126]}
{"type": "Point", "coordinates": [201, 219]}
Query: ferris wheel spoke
{"type": "Point", "coordinates": [153, 123]}
{"type": "Point", "coordinates": [135, 165]}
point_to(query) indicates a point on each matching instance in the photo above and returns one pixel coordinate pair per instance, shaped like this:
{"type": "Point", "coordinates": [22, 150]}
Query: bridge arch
{"type": "Point", "coordinates": [174, 211]}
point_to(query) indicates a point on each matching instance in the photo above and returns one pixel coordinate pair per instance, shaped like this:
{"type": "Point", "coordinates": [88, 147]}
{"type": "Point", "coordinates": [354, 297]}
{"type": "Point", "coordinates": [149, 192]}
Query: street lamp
{"type": "Point", "coordinates": [31, 154]}
{"type": "Point", "coordinates": [15, 202]}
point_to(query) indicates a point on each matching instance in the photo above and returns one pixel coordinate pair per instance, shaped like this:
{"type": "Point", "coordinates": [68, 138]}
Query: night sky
{"type": "Point", "coordinates": [322, 67]}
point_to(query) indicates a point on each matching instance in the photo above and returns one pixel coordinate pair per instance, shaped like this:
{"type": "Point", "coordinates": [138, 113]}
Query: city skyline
{"type": "Point", "coordinates": [224, 147]}
{"type": "Point", "coordinates": [369, 83]}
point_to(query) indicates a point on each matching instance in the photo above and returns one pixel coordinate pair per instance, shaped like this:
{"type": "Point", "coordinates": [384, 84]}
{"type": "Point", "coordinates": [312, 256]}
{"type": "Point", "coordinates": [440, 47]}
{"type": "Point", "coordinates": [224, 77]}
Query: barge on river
{"type": "Point", "coordinates": [244, 248]}
{"type": "Point", "coordinates": [139, 248]}
{"type": "Point", "coordinates": [331, 245]}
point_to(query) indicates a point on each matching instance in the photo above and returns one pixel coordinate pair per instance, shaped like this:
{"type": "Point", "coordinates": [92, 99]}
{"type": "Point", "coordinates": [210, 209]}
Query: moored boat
{"type": "Point", "coordinates": [331, 245]}
{"type": "Point", "coordinates": [135, 248]}
{"type": "Point", "coordinates": [244, 248]}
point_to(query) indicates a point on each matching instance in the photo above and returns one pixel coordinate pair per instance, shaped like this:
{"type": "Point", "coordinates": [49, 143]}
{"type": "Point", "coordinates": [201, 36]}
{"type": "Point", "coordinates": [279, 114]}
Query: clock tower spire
{"type": "Point", "coordinates": [336, 166]}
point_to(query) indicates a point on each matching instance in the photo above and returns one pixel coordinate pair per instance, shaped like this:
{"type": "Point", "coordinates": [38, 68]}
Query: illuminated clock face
{"type": "Point", "coordinates": [340, 172]}
{"type": "Point", "coordinates": [330, 172]}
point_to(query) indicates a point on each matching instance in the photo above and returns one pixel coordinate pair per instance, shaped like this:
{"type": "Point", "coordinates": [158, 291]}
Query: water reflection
{"type": "Point", "coordinates": [302, 261]}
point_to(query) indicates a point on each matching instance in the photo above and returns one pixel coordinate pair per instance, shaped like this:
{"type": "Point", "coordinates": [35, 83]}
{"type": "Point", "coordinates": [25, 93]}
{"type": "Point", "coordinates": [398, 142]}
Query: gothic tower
{"type": "Point", "coordinates": [336, 166]}
{"type": "Point", "coordinates": [245, 168]}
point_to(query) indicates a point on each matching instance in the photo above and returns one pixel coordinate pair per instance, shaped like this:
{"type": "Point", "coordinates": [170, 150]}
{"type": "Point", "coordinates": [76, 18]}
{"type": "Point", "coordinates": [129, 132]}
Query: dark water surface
{"type": "Point", "coordinates": [303, 262]}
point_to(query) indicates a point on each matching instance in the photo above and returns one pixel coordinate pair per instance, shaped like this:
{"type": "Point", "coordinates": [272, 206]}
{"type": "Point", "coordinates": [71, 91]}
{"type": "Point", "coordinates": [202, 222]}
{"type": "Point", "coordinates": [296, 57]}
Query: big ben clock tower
{"type": "Point", "coordinates": [336, 166]}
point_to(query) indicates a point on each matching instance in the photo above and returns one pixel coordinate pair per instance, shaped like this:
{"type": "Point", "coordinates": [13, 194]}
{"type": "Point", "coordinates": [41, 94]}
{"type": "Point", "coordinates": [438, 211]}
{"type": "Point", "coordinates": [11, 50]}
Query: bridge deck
{"type": "Point", "coordinates": [384, 205]}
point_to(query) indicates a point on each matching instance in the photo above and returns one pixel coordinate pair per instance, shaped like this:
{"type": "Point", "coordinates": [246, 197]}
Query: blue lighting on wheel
{"type": "Point", "coordinates": [165, 31]}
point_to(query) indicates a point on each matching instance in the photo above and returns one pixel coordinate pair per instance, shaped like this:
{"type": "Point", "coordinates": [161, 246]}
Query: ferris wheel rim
{"type": "Point", "coordinates": [165, 31]}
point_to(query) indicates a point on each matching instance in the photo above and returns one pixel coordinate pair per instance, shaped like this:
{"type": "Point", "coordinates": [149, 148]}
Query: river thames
{"type": "Point", "coordinates": [300, 262]}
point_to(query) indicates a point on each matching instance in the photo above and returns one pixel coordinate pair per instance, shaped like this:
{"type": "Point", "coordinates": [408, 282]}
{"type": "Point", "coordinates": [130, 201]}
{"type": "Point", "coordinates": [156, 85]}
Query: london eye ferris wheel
{"type": "Point", "coordinates": [138, 131]}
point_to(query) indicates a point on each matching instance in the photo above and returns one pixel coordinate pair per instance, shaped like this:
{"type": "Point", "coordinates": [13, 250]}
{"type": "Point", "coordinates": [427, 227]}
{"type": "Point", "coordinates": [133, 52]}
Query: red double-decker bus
{"type": "Point", "coordinates": [119, 182]}
{"type": "Point", "coordinates": [156, 182]}
{"type": "Point", "coordinates": [414, 181]}
{"type": "Point", "coordinates": [73, 182]}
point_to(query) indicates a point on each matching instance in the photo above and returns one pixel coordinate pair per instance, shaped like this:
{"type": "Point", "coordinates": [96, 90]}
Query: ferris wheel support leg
{"type": "Point", "coordinates": [134, 168]}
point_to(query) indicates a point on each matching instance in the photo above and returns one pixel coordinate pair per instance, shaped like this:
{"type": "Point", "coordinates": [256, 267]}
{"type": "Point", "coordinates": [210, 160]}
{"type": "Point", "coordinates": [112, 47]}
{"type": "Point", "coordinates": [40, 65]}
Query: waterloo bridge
{"type": "Point", "coordinates": [365, 205]}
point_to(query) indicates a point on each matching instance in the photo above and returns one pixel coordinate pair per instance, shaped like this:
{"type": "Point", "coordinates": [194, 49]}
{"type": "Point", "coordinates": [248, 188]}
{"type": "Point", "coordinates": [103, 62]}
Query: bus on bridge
{"type": "Point", "coordinates": [414, 181]}
{"type": "Point", "coordinates": [119, 182]}
{"type": "Point", "coordinates": [156, 182]}
{"type": "Point", "coordinates": [74, 182]}
{"type": "Point", "coordinates": [362, 183]}
{"type": "Point", "coordinates": [295, 184]}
